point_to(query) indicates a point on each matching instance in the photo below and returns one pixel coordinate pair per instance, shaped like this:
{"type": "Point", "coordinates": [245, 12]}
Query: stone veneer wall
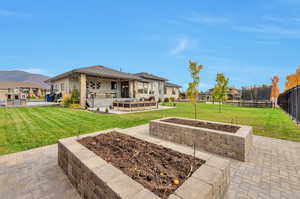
{"type": "Point", "coordinates": [94, 178]}
{"type": "Point", "coordinates": [83, 90]}
{"type": "Point", "coordinates": [233, 145]}
{"type": "Point", "coordinates": [81, 177]}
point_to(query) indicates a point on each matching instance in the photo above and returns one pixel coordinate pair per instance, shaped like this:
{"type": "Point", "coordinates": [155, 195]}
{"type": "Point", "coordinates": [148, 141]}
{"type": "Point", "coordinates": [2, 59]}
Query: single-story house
{"type": "Point", "coordinates": [100, 86]}
{"type": "Point", "coordinates": [17, 93]}
{"type": "Point", "coordinates": [171, 90]}
{"type": "Point", "coordinates": [232, 94]}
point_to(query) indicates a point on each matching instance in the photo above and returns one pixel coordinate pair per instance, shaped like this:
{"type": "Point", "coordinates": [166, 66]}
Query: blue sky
{"type": "Point", "coordinates": [247, 40]}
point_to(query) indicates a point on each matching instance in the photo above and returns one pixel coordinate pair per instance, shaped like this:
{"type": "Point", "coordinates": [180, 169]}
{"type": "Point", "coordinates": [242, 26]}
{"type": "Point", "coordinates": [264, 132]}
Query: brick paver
{"type": "Point", "coordinates": [272, 172]}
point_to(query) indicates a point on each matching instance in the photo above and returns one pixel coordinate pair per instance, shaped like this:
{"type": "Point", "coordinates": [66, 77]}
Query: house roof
{"type": "Point", "coordinates": [98, 71]}
{"type": "Point", "coordinates": [12, 85]}
{"type": "Point", "coordinates": [149, 76]}
{"type": "Point", "coordinates": [169, 84]}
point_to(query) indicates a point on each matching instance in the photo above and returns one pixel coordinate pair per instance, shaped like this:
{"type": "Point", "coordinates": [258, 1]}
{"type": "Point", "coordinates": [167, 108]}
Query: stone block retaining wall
{"type": "Point", "coordinates": [233, 145]}
{"type": "Point", "coordinates": [94, 178]}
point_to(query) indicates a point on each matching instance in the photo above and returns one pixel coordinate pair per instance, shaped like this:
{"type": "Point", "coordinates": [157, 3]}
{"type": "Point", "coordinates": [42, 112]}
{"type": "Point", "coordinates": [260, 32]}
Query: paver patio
{"type": "Point", "coordinates": [272, 172]}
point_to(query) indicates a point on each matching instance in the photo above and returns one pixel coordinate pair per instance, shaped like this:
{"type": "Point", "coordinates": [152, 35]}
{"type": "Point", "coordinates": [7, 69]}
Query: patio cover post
{"type": "Point", "coordinates": [82, 90]}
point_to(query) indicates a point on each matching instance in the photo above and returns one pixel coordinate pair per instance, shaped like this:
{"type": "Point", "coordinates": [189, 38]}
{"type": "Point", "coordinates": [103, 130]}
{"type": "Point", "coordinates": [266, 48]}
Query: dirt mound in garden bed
{"type": "Point", "coordinates": [155, 167]}
{"type": "Point", "coordinates": [208, 125]}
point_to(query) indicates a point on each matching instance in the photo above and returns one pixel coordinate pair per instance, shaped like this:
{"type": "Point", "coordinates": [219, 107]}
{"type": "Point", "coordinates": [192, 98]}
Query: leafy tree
{"type": "Point", "coordinates": [221, 89]}
{"type": "Point", "coordinates": [192, 91]}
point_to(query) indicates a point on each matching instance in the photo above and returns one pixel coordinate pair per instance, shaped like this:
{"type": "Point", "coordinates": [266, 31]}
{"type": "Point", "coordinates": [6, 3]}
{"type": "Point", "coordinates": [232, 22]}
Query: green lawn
{"type": "Point", "coordinates": [26, 128]}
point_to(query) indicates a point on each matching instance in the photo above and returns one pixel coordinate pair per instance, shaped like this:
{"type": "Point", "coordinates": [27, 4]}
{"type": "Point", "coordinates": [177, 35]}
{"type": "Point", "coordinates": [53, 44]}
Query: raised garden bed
{"type": "Point", "coordinates": [204, 124]}
{"type": "Point", "coordinates": [157, 168]}
{"type": "Point", "coordinates": [233, 141]}
{"type": "Point", "coordinates": [112, 165]}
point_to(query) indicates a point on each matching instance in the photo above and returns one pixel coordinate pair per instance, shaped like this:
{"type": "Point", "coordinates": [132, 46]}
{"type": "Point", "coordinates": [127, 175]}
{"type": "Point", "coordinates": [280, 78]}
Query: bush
{"type": "Point", "coordinates": [166, 100]}
{"type": "Point", "coordinates": [159, 100]}
{"type": "Point", "coordinates": [106, 110]}
{"type": "Point", "coordinates": [172, 99]}
{"type": "Point", "coordinates": [31, 96]}
{"type": "Point", "coordinates": [75, 96]}
{"type": "Point", "coordinates": [66, 100]}
{"type": "Point", "coordinates": [74, 106]}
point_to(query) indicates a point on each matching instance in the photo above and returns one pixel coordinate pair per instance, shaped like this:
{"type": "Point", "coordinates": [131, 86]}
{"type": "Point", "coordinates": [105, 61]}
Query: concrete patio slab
{"type": "Point", "coordinates": [273, 171]}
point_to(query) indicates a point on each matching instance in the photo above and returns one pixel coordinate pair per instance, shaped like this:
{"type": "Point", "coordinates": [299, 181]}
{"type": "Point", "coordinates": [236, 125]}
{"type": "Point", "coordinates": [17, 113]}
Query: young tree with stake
{"type": "Point", "coordinates": [221, 89]}
{"type": "Point", "coordinates": [192, 91]}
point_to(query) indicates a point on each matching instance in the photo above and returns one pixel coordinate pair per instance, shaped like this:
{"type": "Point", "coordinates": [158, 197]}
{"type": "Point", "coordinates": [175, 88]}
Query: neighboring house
{"type": "Point", "coordinates": [100, 86]}
{"type": "Point", "coordinates": [232, 94]}
{"type": "Point", "coordinates": [256, 93]}
{"type": "Point", "coordinates": [17, 93]}
{"type": "Point", "coordinates": [171, 90]}
{"type": "Point", "coordinates": [206, 96]}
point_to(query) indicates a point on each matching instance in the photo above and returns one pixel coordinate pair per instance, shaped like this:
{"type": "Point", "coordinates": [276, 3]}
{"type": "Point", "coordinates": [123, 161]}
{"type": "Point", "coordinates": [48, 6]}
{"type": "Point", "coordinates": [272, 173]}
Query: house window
{"type": "Point", "coordinates": [98, 85]}
{"type": "Point", "coordinates": [145, 86]}
{"type": "Point", "coordinates": [9, 97]}
{"type": "Point", "coordinates": [165, 90]}
{"type": "Point", "coordinates": [140, 85]}
{"type": "Point", "coordinates": [92, 85]}
{"type": "Point", "coordinates": [62, 87]}
{"type": "Point", "coordinates": [16, 97]}
{"type": "Point", "coordinates": [140, 91]}
{"type": "Point", "coordinates": [113, 85]}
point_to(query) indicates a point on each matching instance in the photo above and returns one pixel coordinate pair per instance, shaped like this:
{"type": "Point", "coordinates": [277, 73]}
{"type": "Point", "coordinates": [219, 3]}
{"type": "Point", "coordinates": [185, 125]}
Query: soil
{"type": "Point", "coordinates": [208, 125]}
{"type": "Point", "coordinates": [155, 167]}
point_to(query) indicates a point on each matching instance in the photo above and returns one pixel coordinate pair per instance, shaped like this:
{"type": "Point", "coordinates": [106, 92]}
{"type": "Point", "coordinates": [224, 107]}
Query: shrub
{"type": "Point", "coordinates": [166, 100]}
{"type": "Point", "coordinates": [74, 106]}
{"type": "Point", "coordinates": [106, 110]}
{"type": "Point", "coordinates": [159, 100]}
{"type": "Point", "coordinates": [172, 99]}
{"type": "Point", "coordinates": [66, 100]}
{"type": "Point", "coordinates": [31, 96]}
{"type": "Point", "coordinates": [75, 96]}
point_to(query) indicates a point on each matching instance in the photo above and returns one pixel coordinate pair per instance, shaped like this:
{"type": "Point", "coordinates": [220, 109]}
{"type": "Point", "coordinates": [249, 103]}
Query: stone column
{"type": "Point", "coordinates": [39, 92]}
{"type": "Point", "coordinates": [131, 88]}
{"type": "Point", "coordinates": [31, 92]}
{"type": "Point", "coordinates": [82, 90]}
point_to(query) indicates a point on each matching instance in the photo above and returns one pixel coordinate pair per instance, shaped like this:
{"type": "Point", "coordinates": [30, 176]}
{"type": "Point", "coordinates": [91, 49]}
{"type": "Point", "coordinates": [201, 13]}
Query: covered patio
{"type": "Point", "coordinates": [100, 86]}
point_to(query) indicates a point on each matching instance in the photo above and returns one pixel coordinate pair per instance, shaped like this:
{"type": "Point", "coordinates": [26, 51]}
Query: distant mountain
{"type": "Point", "coordinates": [22, 76]}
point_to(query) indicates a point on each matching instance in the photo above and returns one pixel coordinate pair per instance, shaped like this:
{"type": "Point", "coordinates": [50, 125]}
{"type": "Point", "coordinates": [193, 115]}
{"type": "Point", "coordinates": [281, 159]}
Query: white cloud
{"type": "Point", "coordinates": [10, 13]}
{"type": "Point", "coordinates": [6, 13]}
{"type": "Point", "coordinates": [274, 19]}
{"type": "Point", "coordinates": [269, 29]}
{"type": "Point", "coordinates": [180, 47]}
{"type": "Point", "coordinates": [208, 20]}
{"type": "Point", "coordinates": [282, 20]}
